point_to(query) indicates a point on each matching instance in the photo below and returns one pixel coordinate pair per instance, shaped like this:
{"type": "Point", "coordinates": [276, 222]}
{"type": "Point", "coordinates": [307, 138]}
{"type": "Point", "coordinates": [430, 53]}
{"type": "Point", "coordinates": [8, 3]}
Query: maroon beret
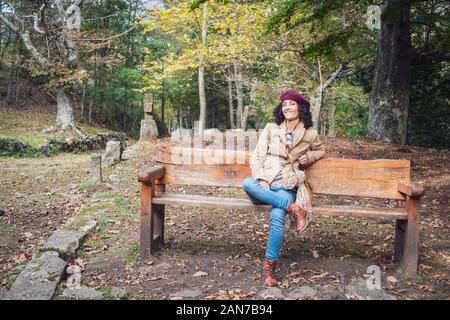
{"type": "Point", "coordinates": [295, 96]}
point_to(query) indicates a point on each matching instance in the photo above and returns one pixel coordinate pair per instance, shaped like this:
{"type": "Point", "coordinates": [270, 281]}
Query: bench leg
{"type": "Point", "coordinates": [158, 222]}
{"type": "Point", "coordinates": [411, 236]}
{"type": "Point", "coordinates": [400, 227]}
{"type": "Point", "coordinates": [146, 232]}
{"type": "Point", "coordinates": [152, 221]}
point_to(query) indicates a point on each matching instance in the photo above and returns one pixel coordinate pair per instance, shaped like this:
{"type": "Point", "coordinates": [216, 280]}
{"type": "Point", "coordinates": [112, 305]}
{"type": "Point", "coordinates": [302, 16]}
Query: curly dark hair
{"type": "Point", "coordinates": [304, 114]}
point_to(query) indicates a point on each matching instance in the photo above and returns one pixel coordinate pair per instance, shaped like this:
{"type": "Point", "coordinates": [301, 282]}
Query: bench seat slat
{"type": "Point", "coordinates": [245, 204]}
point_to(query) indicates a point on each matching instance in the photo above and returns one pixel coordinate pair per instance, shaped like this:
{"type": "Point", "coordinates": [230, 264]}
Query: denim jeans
{"type": "Point", "coordinates": [279, 199]}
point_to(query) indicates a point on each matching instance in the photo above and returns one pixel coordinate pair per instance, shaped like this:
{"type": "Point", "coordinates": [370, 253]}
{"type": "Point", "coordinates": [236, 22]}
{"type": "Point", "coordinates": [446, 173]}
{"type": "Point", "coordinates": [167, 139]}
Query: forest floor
{"type": "Point", "coordinates": [219, 253]}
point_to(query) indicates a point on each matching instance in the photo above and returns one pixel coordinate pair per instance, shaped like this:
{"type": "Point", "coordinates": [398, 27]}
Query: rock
{"type": "Point", "coordinates": [118, 292]}
{"type": "Point", "coordinates": [72, 269]}
{"type": "Point", "coordinates": [271, 293]}
{"type": "Point", "coordinates": [114, 178]}
{"type": "Point", "coordinates": [49, 130]}
{"type": "Point", "coordinates": [181, 137]}
{"type": "Point", "coordinates": [113, 152]}
{"type": "Point", "coordinates": [131, 152]}
{"type": "Point", "coordinates": [331, 293]}
{"type": "Point", "coordinates": [149, 129]}
{"type": "Point", "coordinates": [3, 293]}
{"type": "Point", "coordinates": [302, 293]}
{"type": "Point", "coordinates": [188, 293]}
{"type": "Point", "coordinates": [95, 174]}
{"type": "Point", "coordinates": [82, 293]}
{"type": "Point", "coordinates": [81, 223]}
{"type": "Point", "coordinates": [74, 281]}
{"type": "Point", "coordinates": [359, 289]}
{"type": "Point", "coordinates": [39, 279]}
{"type": "Point", "coordinates": [65, 242]}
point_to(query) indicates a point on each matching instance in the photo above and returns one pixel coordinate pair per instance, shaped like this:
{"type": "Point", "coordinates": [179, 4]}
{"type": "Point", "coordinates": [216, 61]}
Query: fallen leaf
{"type": "Point", "coordinates": [200, 274]}
{"type": "Point", "coordinates": [392, 279]}
{"type": "Point", "coordinates": [237, 268]}
{"type": "Point", "coordinates": [319, 276]}
{"type": "Point", "coordinates": [20, 257]}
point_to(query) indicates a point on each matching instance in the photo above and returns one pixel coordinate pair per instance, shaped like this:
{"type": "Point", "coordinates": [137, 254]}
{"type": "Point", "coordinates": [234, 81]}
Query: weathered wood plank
{"type": "Point", "coordinates": [246, 204]}
{"type": "Point", "coordinates": [351, 177]}
{"type": "Point", "coordinates": [400, 227]}
{"type": "Point", "coordinates": [209, 156]}
{"type": "Point", "coordinates": [146, 232]}
{"type": "Point", "coordinates": [159, 210]}
{"type": "Point", "coordinates": [411, 238]}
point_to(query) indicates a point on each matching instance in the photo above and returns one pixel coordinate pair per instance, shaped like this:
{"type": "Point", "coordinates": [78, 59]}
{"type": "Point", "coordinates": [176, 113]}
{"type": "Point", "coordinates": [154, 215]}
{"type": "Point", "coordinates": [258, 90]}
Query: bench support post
{"type": "Point", "coordinates": [158, 226]}
{"type": "Point", "coordinates": [407, 236]}
{"type": "Point", "coordinates": [152, 220]}
{"type": "Point", "coordinates": [146, 232]}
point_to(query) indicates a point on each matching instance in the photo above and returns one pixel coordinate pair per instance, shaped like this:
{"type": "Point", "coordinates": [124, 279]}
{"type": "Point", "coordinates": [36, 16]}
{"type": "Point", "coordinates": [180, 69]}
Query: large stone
{"type": "Point", "coordinates": [360, 289]}
{"type": "Point", "coordinates": [131, 152]}
{"type": "Point", "coordinates": [95, 174]}
{"type": "Point", "coordinates": [113, 152]}
{"type": "Point", "coordinates": [271, 293]}
{"type": "Point", "coordinates": [302, 293]}
{"type": "Point", "coordinates": [149, 129]}
{"type": "Point", "coordinates": [82, 293]}
{"type": "Point", "coordinates": [65, 242]}
{"type": "Point", "coordinates": [188, 293]}
{"type": "Point", "coordinates": [39, 279]}
{"type": "Point", "coordinates": [114, 179]}
{"type": "Point", "coordinates": [3, 293]}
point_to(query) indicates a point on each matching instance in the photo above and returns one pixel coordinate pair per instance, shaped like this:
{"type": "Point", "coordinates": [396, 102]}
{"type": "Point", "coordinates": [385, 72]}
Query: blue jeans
{"type": "Point", "coordinates": [279, 199]}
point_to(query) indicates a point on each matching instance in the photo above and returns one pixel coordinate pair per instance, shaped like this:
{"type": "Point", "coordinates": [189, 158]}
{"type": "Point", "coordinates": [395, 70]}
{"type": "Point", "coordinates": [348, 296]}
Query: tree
{"type": "Point", "coordinates": [389, 100]}
{"type": "Point", "coordinates": [54, 29]}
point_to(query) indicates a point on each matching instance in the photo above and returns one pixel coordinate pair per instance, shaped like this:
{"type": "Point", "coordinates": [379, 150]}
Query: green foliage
{"type": "Point", "coordinates": [350, 110]}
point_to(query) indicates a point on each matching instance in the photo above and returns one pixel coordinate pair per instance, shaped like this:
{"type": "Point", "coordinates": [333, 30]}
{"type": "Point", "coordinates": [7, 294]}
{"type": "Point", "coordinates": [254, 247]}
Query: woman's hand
{"type": "Point", "coordinates": [264, 184]}
{"type": "Point", "coordinates": [303, 160]}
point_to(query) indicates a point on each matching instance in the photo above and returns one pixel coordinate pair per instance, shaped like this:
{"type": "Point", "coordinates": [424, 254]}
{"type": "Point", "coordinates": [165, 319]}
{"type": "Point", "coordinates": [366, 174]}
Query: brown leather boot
{"type": "Point", "coordinates": [299, 214]}
{"type": "Point", "coordinates": [269, 273]}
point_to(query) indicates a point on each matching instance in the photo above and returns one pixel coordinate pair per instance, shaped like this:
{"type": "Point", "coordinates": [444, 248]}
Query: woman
{"type": "Point", "coordinates": [282, 148]}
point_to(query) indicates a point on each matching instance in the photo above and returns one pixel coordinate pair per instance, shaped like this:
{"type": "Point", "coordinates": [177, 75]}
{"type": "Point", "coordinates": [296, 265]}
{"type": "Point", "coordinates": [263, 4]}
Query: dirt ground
{"type": "Point", "coordinates": [220, 252]}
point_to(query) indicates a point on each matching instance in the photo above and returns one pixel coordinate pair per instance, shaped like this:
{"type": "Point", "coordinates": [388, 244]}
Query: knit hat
{"type": "Point", "coordinates": [295, 96]}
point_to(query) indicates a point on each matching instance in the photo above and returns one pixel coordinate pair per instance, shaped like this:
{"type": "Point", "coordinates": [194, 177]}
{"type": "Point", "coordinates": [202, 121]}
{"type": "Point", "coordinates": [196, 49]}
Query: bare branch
{"type": "Point", "coordinates": [25, 36]}
{"type": "Point", "coordinates": [112, 37]}
{"type": "Point", "coordinates": [333, 77]}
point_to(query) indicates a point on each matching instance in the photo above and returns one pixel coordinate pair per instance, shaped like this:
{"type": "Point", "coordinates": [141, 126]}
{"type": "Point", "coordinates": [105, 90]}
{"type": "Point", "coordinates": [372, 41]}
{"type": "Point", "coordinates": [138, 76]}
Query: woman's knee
{"type": "Point", "coordinates": [289, 196]}
{"type": "Point", "coordinates": [248, 184]}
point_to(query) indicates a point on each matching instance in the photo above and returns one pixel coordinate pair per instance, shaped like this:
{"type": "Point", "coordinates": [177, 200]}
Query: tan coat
{"type": "Point", "coordinates": [271, 154]}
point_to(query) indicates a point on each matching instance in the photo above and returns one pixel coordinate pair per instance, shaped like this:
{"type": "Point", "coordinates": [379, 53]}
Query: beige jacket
{"type": "Point", "coordinates": [271, 154]}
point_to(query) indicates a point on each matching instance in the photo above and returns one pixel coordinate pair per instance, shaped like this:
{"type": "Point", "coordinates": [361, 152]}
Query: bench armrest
{"type": "Point", "coordinates": [152, 174]}
{"type": "Point", "coordinates": [411, 189]}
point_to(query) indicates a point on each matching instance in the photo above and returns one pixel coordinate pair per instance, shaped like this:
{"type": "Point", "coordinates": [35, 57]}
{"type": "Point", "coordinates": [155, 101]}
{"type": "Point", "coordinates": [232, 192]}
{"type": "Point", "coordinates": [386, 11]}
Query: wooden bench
{"type": "Point", "coordinates": [386, 179]}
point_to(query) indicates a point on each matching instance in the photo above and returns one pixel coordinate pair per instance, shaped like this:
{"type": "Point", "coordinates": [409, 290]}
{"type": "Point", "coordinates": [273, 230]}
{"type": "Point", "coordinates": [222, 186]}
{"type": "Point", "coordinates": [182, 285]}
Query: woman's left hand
{"type": "Point", "coordinates": [303, 160]}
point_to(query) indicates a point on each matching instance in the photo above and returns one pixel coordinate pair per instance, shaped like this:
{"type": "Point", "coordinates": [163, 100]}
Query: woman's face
{"type": "Point", "coordinates": [290, 109]}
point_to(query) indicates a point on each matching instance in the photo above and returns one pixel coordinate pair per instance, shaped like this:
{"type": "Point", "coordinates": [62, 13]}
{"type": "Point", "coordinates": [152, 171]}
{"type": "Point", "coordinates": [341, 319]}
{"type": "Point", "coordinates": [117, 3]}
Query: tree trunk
{"type": "Point", "coordinates": [317, 100]}
{"type": "Point", "coordinates": [82, 100]}
{"type": "Point", "coordinates": [389, 99]}
{"type": "Point", "coordinates": [64, 117]}
{"type": "Point", "coordinates": [90, 111]}
{"type": "Point", "coordinates": [230, 103]}
{"type": "Point", "coordinates": [201, 76]}
{"type": "Point", "coordinates": [239, 94]}
{"type": "Point", "coordinates": [332, 127]}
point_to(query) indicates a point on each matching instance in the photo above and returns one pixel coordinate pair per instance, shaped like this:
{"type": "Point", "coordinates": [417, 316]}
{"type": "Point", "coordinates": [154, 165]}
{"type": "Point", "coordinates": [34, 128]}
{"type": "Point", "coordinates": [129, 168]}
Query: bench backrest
{"type": "Point", "coordinates": [337, 176]}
